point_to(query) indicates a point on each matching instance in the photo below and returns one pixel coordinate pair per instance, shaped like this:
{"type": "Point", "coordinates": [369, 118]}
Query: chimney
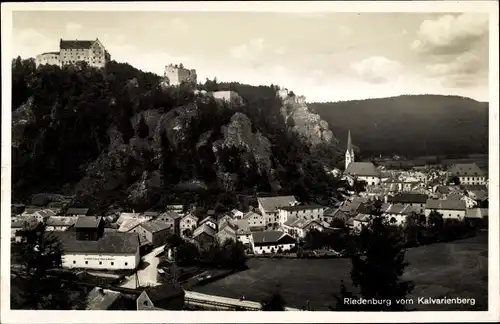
{"type": "Point", "coordinates": [385, 199]}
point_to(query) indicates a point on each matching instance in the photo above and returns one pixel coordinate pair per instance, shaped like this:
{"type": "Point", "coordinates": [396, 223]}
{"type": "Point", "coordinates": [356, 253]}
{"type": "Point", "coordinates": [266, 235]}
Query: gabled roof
{"type": "Point", "coordinates": [88, 221]}
{"type": "Point", "coordinates": [131, 223]}
{"type": "Point", "coordinates": [125, 216]}
{"type": "Point", "coordinates": [101, 299]}
{"type": "Point", "coordinates": [208, 219]}
{"type": "Point", "coordinates": [170, 214]}
{"type": "Point", "coordinates": [408, 198]}
{"type": "Point", "coordinates": [301, 207]}
{"type": "Point", "coordinates": [61, 221]}
{"type": "Point", "coordinates": [45, 213]}
{"type": "Point", "coordinates": [154, 226]}
{"type": "Point", "coordinates": [366, 169]}
{"type": "Point", "coordinates": [31, 210]}
{"type": "Point", "coordinates": [267, 236]}
{"type": "Point", "coordinates": [163, 292]}
{"type": "Point", "coordinates": [270, 204]}
{"type": "Point", "coordinates": [250, 215]}
{"type": "Point", "coordinates": [190, 216]}
{"type": "Point", "coordinates": [75, 44]}
{"type": "Point", "coordinates": [399, 209]}
{"type": "Point", "coordinates": [477, 213]}
{"type": "Point", "coordinates": [24, 221]}
{"type": "Point", "coordinates": [110, 242]}
{"type": "Point", "coordinates": [466, 170]}
{"type": "Point", "coordinates": [77, 211]}
{"type": "Point", "coordinates": [445, 204]}
{"type": "Point", "coordinates": [203, 229]}
{"type": "Point", "coordinates": [151, 214]}
{"type": "Point", "coordinates": [362, 218]}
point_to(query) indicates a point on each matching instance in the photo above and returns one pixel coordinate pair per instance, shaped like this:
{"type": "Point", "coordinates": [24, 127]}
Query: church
{"type": "Point", "coordinates": [363, 171]}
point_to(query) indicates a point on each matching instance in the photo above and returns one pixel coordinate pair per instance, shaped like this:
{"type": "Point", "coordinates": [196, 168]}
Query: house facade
{"type": "Point", "coordinates": [468, 174]}
{"type": "Point", "coordinates": [111, 251]}
{"type": "Point", "coordinates": [59, 223]}
{"type": "Point", "coordinates": [268, 207]}
{"type": "Point", "coordinates": [266, 242]}
{"type": "Point", "coordinates": [364, 171]}
{"type": "Point", "coordinates": [305, 212]}
{"type": "Point", "coordinates": [71, 52]}
{"type": "Point", "coordinates": [450, 209]}
{"type": "Point", "coordinates": [410, 199]}
{"type": "Point", "coordinates": [188, 222]}
{"type": "Point", "coordinates": [155, 231]}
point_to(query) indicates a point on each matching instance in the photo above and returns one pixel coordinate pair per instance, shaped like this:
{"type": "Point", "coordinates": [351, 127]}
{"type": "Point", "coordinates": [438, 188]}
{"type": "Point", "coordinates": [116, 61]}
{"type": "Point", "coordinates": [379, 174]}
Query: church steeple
{"type": "Point", "coordinates": [349, 154]}
{"type": "Point", "coordinates": [349, 142]}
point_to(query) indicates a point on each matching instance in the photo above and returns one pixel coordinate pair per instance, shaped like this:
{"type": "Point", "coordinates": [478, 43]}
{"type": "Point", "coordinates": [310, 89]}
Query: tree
{"type": "Point", "coordinates": [275, 302]}
{"type": "Point", "coordinates": [359, 186]}
{"type": "Point", "coordinates": [41, 287]}
{"type": "Point", "coordinates": [377, 273]}
{"type": "Point", "coordinates": [436, 220]}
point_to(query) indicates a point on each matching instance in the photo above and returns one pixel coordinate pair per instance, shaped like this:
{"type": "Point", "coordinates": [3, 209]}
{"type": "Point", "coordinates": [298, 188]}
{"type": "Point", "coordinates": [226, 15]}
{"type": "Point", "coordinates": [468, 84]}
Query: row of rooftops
{"type": "Point", "coordinates": [368, 169]}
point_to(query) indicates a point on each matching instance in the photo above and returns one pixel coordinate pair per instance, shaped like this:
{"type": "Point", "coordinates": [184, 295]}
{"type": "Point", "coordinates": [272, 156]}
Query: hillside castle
{"type": "Point", "coordinates": [70, 52]}
{"type": "Point", "coordinates": [176, 74]}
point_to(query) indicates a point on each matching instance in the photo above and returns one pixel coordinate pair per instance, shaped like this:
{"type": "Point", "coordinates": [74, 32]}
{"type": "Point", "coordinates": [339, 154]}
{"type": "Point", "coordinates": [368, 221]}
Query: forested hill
{"type": "Point", "coordinates": [120, 137]}
{"type": "Point", "coordinates": [412, 125]}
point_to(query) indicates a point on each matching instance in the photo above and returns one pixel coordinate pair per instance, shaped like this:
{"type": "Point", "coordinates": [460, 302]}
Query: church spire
{"type": "Point", "coordinates": [349, 142]}
{"type": "Point", "coordinates": [349, 154]}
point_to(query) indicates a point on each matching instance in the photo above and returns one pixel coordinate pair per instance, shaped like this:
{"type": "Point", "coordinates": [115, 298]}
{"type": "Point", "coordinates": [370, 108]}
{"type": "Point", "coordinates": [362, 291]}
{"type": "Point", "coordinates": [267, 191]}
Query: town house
{"type": "Point", "coordinates": [155, 231]}
{"type": "Point", "coordinates": [410, 199]}
{"type": "Point", "coordinates": [60, 223]}
{"type": "Point", "coordinates": [306, 212]}
{"type": "Point", "coordinates": [188, 222]}
{"type": "Point", "coordinates": [172, 219]}
{"type": "Point", "coordinates": [210, 221]}
{"type": "Point", "coordinates": [272, 242]}
{"type": "Point", "coordinates": [468, 174]}
{"type": "Point", "coordinates": [397, 214]}
{"type": "Point", "coordinates": [268, 207]}
{"type": "Point", "coordinates": [364, 171]}
{"type": "Point", "coordinates": [450, 209]}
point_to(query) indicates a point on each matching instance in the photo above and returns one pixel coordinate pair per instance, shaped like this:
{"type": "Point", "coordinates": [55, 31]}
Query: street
{"type": "Point", "coordinates": [147, 275]}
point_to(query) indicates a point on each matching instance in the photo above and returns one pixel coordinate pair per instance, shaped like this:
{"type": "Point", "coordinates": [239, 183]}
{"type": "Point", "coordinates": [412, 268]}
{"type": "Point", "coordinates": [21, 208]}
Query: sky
{"type": "Point", "coordinates": [323, 56]}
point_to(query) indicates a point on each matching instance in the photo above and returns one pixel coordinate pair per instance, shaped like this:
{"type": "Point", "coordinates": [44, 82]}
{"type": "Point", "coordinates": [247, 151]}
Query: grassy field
{"type": "Point", "coordinates": [455, 269]}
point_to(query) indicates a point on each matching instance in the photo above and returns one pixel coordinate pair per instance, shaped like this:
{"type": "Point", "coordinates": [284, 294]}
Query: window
{"type": "Point", "coordinates": [112, 263]}
{"type": "Point", "coordinates": [126, 263]}
{"type": "Point", "coordinates": [86, 262]}
{"type": "Point", "coordinates": [74, 262]}
{"type": "Point", "coordinates": [100, 262]}
{"type": "Point", "coordinates": [145, 303]}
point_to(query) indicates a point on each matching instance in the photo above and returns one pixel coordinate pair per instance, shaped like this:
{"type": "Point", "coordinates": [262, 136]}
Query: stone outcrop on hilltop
{"type": "Point", "coordinates": [308, 125]}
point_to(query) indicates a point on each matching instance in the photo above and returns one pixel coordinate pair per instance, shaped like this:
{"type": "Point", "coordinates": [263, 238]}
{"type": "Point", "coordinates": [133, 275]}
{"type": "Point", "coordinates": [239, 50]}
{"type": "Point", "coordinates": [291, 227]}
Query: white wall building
{"type": "Point", "coordinates": [113, 251]}
{"type": "Point", "coordinates": [450, 209]}
{"type": "Point", "coordinates": [268, 207]}
{"type": "Point", "coordinates": [305, 212]}
{"type": "Point", "coordinates": [468, 174]}
{"type": "Point", "coordinates": [272, 242]}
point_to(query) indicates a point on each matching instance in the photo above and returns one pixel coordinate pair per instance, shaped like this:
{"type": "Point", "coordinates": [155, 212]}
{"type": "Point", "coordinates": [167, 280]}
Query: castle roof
{"type": "Point", "coordinates": [75, 44]}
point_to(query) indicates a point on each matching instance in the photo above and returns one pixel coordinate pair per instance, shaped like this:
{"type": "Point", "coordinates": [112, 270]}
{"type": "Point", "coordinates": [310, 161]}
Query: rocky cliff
{"type": "Point", "coordinates": [124, 138]}
{"type": "Point", "coordinates": [308, 125]}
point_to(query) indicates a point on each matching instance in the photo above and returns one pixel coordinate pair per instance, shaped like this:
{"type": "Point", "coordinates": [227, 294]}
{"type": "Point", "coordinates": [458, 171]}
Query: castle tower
{"type": "Point", "coordinates": [349, 154]}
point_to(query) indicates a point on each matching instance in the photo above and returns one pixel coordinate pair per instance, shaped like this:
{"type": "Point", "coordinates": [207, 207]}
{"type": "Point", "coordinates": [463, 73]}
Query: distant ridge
{"type": "Point", "coordinates": [410, 124]}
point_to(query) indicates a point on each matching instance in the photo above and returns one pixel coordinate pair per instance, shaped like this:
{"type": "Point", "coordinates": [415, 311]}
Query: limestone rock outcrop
{"type": "Point", "coordinates": [308, 125]}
